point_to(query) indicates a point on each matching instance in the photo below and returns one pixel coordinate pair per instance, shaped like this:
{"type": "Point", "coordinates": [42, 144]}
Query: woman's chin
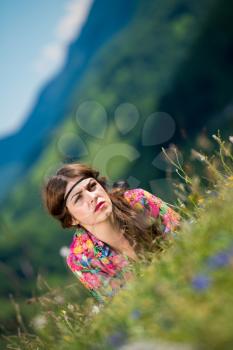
{"type": "Point", "coordinates": [104, 214]}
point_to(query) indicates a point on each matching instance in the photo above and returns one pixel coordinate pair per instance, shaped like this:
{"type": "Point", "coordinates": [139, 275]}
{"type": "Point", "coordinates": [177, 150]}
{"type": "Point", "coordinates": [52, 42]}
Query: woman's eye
{"type": "Point", "coordinates": [92, 185]}
{"type": "Point", "coordinates": [77, 198]}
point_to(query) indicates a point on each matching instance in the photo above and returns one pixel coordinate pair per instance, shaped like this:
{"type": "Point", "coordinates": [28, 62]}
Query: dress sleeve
{"type": "Point", "coordinates": [154, 206]}
{"type": "Point", "coordinates": [101, 275]}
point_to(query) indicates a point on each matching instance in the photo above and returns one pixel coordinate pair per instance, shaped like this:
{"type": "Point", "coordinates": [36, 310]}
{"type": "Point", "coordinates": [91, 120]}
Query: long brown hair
{"type": "Point", "coordinates": [142, 235]}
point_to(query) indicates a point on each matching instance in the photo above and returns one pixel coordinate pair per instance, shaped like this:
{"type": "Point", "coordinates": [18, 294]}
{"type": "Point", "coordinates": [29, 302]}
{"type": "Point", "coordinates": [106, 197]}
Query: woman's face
{"type": "Point", "coordinates": [84, 202]}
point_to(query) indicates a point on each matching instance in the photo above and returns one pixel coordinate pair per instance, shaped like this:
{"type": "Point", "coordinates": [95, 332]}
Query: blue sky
{"type": "Point", "coordinates": [34, 37]}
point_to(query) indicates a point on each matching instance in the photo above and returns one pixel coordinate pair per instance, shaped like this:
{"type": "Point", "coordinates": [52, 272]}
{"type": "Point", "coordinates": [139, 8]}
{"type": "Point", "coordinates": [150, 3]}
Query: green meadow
{"type": "Point", "coordinates": [182, 299]}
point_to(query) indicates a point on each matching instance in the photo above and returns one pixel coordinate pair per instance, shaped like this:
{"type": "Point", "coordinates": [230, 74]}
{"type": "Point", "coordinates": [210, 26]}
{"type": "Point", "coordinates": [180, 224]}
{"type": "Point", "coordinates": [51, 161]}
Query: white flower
{"type": "Point", "coordinates": [64, 251]}
{"type": "Point", "coordinates": [70, 307]}
{"type": "Point", "coordinates": [39, 322]}
{"type": "Point", "coordinates": [95, 309]}
{"type": "Point", "coordinates": [231, 139]}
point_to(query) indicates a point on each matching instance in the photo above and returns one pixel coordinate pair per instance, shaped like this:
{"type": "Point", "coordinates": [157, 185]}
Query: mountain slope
{"type": "Point", "coordinates": [20, 150]}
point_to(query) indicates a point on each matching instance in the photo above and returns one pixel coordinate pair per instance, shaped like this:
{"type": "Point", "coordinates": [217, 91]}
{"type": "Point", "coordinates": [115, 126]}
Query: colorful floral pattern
{"type": "Point", "coordinates": [98, 266]}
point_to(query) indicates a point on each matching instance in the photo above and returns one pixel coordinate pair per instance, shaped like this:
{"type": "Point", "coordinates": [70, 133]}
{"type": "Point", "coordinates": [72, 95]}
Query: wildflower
{"type": "Point", "coordinates": [135, 314]}
{"type": "Point", "coordinates": [231, 139]}
{"type": "Point", "coordinates": [95, 309]}
{"type": "Point", "coordinates": [117, 338]}
{"type": "Point", "coordinates": [219, 260]}
{"type": "Point", "coordinates": [212, 193]}
{"type": "Point", "coordinates": [64, 251]}
{"type": "Point", "coordinates": [215, 137]}
{"type": "Point", "coordinates": [39, 322]}
{"type": "Point", "coordinates": [201, 282]}
{"type": "Point", "coordinates": [70, 307]}
{"type": "Point", "coordinates": [67, 338]}
{"type": "Point", "coordinates": [191, 221]}
{"type": "Point", "coordinates": [197, 155]}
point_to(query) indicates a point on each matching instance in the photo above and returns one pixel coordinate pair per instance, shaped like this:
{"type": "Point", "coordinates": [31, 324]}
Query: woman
{"type": "Point", "coordinates": [114, 227]}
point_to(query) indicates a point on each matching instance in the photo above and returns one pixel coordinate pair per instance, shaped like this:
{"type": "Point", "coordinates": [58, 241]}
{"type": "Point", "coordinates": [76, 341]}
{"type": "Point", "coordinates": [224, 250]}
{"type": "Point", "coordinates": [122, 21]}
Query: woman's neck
{"type": "Point", "coordinates": [108, 232]}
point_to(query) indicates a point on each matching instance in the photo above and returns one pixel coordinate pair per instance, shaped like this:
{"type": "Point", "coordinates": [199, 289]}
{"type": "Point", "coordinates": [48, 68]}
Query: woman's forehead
{"type": "Point", "coordinates": [80, 184]}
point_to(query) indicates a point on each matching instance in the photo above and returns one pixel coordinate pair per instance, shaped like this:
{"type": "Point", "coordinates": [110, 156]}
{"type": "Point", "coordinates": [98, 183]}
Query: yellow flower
{"type": "Point", "coordinates": [67, 338]}
{"type": "Point", "coordinates": [138, 206]}
{"type": "Point", "coordinates": [89, 244]}
{"type": "Point", "coordinates": [230, 178]}
{"type": "Point", "coordinates": [78, 249]}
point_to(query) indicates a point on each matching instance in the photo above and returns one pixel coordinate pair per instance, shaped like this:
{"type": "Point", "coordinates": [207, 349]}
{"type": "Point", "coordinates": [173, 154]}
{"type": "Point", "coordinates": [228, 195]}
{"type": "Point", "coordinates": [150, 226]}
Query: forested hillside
{"type": "Point", "coordinates": [20, 150]}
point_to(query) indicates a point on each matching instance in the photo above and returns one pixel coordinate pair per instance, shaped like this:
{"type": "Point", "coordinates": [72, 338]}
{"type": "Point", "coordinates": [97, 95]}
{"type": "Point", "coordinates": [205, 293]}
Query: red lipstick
{"type": "Point", "coordinates": [99, 205]}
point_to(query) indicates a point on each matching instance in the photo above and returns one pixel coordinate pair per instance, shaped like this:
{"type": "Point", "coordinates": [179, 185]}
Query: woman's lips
{"type": "Point", "coordinates": [99, 205]}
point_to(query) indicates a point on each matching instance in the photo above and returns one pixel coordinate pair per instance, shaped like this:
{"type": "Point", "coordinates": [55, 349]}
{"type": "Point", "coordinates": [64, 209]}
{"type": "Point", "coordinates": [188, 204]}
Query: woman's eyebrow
{"type": "Point", "coordinates": [81, 190]}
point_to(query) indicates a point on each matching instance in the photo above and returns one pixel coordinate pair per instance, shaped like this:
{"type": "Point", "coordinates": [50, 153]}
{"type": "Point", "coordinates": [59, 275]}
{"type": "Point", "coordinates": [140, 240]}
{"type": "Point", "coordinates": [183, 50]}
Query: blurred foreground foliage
{"type": "Point", "coordinates": [183, 298]}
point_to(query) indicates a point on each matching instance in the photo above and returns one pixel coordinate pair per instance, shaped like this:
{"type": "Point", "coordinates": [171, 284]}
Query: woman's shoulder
{"type": "Point", "coordinates": [134, 193]}
{"type": "Point", "coordinates": [137, 193]}
{"type": "Point", "coordinates": [140, 196]}
{"type": "Point", "coordinates": [142, 199]}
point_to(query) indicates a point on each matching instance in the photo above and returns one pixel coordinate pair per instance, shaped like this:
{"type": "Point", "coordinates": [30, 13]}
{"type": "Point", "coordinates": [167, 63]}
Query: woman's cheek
{"type": "Point", "coordinates": [87, 217]}
{"type": "Point", "coordinates": [84, 216]}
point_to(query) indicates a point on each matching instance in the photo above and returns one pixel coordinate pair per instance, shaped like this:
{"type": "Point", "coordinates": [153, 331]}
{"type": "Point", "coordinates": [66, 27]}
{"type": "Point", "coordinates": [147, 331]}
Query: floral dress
{"type": "Point", "coordinates": [98, 266]}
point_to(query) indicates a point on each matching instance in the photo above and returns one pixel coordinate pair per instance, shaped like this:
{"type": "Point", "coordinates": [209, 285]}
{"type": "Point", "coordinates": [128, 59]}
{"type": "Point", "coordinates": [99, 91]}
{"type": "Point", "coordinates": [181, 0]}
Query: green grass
{"type": "Point", "coordinates": [183, 296]}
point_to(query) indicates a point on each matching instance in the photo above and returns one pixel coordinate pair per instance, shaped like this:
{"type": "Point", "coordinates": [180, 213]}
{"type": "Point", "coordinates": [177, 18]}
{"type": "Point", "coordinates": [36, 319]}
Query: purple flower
{"type": "Point", "coordinates": [135, 314]}
{"type": "Point", "coordinates": [213, 193]}
{"type": "Point", "coordinates": [201, 282]}
{"type": "Point", "coordinates": [219, 260]}
{"type": "Point", "coordinates": [117, 338]}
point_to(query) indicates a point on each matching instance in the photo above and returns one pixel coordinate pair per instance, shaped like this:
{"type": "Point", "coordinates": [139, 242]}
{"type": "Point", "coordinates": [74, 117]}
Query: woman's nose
{"type": "Point", "coordinates": [91, 196]}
